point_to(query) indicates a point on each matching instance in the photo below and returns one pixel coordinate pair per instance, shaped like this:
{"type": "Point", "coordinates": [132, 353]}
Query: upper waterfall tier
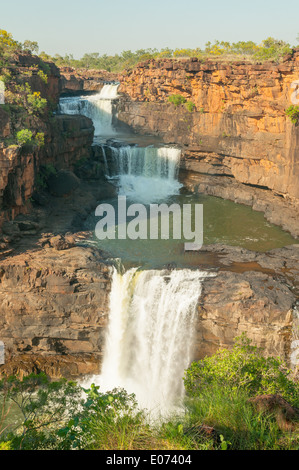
{"type": "Point", "coordinates": [97, 107]}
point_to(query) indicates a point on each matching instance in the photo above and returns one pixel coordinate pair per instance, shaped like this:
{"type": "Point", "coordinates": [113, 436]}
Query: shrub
{"type": "Point", "coordinates": [43, 76]}
{"type": "Point", "coordinates": [36, 104]}
{"type": "Point", "coordinates": [44, 405]}
{"type": "Point", "coordinates": [40, 139]}
{"type": "Point", "coordinates": [107, 420]}
{"type": "Point", "coordinates": [5, 446]}
{"type": "Point", "coordinates": [293, 113]}
{"type": "Point", "coordinates": [24, 137]}
{"type": "Point", "coordinates": [189, 105]}
{"type": "Point", "coordinates": [272, 49]}
{"type": "Point", "coordinates": [242, 368]}
{"type": "Point", "coordinates": [31, 46]}
{"type": "Point", "coordinates": [231, 415]}
{"type": "Point", "coordinates": [177, 100]}
{"type": "Point", "coordinates": [7, 41]}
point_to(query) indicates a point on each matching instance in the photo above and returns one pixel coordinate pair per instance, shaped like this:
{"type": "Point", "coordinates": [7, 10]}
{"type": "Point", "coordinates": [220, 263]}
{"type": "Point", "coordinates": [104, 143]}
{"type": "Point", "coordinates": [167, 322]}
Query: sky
{"type": "Point", "coordinates": [109, 27]}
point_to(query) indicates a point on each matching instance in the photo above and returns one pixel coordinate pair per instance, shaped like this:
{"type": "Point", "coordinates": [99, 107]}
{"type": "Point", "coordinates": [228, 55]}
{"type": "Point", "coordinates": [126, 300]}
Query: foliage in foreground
{"type": "Point", "coordinates": [244, 368]}
{"type": "Point", "coordinates": [218, 414]}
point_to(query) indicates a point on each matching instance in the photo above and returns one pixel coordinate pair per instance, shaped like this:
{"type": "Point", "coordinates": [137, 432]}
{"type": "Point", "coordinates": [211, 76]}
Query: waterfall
{"type": "Point", "coordinates": [97, 107]}
{"type": "Point", "coordinates": [105, 161]}
{"type": "Point", "coordinates": [146, 174]}
{"type": "Point", "coordinates": [150, 334]}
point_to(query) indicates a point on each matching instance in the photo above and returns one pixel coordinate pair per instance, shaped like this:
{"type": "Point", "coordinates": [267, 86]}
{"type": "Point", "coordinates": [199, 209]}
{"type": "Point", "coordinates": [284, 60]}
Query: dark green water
{"type": "Point", "coordinates": [224, 222]}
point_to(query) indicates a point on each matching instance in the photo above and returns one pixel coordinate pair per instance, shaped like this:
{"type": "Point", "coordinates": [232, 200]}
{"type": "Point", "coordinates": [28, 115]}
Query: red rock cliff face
{"type": "Point", "coordinates": [238, 127]}
{"type": "Point", "coordinates": [74, 81]}
{"type": "Point", "coordinates": [67, 139]}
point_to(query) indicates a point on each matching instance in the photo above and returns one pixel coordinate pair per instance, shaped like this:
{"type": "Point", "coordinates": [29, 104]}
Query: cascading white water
{"type": "Point", "coordinates": [150, 334]}
{"type": "Point", "coordinates": [147, 174]}
{"type": "Point", "coordinates": [97, 107]}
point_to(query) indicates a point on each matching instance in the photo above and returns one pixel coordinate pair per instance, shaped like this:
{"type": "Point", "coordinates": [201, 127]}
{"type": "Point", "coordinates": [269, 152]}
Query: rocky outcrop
{"type": "Point", "coordinates": [75, 81]}
{"type": "Point", "coordinates": [238, 128]}
{"type": "Point", "coordinates": [54, 304]}
{"type": "Point", "coordinates": [286, 415]}
{"type": "Point", "coordinates": [253, 293]}
{"type": "Point", "coordinates": [252, 303]}
{"type": "Point", "coordinates": [54, 311]}
{"type": "Point", "coordinates": [68, 140]}
{"type": "Point", "coordinates": [54, 288]}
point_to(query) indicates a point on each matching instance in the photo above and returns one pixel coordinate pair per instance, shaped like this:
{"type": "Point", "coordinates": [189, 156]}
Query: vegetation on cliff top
{"type": "Point", "coordinates": [269, 49]}
{"type": "Point", "coordinates": [24, 104]}
{"type": "Point", "coordinates": [221, 410]}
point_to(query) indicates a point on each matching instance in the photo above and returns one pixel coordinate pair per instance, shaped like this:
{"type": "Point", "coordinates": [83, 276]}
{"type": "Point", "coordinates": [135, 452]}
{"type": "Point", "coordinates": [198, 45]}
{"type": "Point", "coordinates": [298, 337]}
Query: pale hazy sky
{"type": "Point", "coordinates": [73, 26]}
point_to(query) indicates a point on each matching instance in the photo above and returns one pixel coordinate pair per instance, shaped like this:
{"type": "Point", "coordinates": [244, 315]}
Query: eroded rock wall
{"type": "Point", "coordinates": [238, 127]}
{"type": "Point", "coordinates": [54, 311]}
{"type": "Point", "coordinates": [68, 139]}
{"type": "Point", "coordinates": [76, 81]}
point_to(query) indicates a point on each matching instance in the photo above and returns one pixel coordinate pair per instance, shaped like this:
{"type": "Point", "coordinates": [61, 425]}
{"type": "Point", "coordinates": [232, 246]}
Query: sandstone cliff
{"type": "Point", "coordinates": [236, 129]}
{"type": "Point", "coordinates": [237, 143]}
{"type": "Point", "coordinates": [75, 81]}
{"type": "Point", "coordinates": [67, 139]}
{"type": "Point", "coordinates": [54, 311]}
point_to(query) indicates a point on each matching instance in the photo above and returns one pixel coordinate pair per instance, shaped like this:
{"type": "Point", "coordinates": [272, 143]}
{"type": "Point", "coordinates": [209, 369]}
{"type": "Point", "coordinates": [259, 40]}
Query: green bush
{"type": "Point", "coordinates": [272, 49]}
{"type": "Point", "coordinates": [39, 139]}
{"type": "Point", "coordinates": [190, 106]}
{"type": "Point", "coordinates": [64, 416]}
{"type": "Point", "coordinates": [24, 137]}
{"type": "Point", "coordinates": [293, 113]}
{"type": "Point", "coordinates": [7, 41]}
{"type": "Point", "coordinates": [43, 76]}
{"type": "Point", "coordinates": [35, 103]}
{"type": "Point", "coordinates": [43, 406]}
{"type": "Point", "coordinates": [177, 100]}
{"type": "Point", "coordinates": [243, 368]}
{"type": "Point", "coordinates": [30, 46]}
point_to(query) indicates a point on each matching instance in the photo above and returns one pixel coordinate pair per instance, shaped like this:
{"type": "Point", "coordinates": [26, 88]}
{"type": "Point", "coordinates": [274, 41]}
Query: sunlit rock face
{"type": "Point", "coordinates": [238, 126]}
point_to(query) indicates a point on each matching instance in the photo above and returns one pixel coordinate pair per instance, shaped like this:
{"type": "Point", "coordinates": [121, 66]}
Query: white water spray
{"type": "Point", "coordinates": [150, 334]}
{"type": "Point", "coordinates": [97, 107]}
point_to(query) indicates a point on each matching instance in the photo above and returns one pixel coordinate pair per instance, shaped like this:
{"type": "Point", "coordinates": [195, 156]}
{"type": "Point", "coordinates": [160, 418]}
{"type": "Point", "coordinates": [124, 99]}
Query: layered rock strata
{"type": "Point", "coordinates": [235, 131]}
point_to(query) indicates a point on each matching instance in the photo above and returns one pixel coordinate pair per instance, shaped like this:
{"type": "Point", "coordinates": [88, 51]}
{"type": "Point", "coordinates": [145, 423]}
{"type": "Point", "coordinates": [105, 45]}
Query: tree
{"type": "Point", "coordinates": [31, 46]}
{"type": "Point", "coordinates": [6, 40]}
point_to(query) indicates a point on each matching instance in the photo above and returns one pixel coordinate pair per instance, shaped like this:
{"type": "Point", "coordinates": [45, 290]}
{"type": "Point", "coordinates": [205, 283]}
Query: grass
{"type": "Point", "coordinates": [217, 413]}
{"type": "Point", "coordinates": [234, 418]}
{"type": "Point", "coordinates": [237, 426]}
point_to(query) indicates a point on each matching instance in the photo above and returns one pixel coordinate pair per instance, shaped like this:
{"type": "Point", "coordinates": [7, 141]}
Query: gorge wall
{"type": "Point", "coordinates": [74, 81]}
{"type": "Point", "coordinates": [67, 139]}
{"type": "Point", "coordinates": [237, 143]}
{"type": "Point", "coordinates": [236, 136]}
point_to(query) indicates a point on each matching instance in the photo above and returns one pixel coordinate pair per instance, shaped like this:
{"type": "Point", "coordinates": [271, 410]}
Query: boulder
{"type": "Point", "coordinates": [63, 183]}
{"type": "Point", "coordinates": [286, 415]}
